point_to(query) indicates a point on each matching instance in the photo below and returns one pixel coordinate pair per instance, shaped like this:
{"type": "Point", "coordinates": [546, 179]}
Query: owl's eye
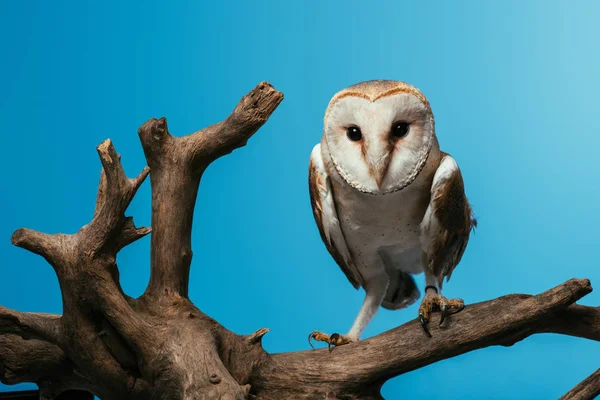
{"type": "Point", "coordinates": [399, 129]}
{"type": "Point", "coordinates": [354, 133]}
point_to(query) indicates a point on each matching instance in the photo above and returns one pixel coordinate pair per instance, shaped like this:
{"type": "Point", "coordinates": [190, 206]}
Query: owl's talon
{"type": "Point", "coordinates": [444, 310]}
{"type": "Point", "coordinates": [332, 340]}
{"type": "Point", "coordinates": [424, 324]}
{"type": "Point", "coordinates": [459, 307]}
{"type": "Point", "coordinates": [318, 336]}
{"type": "Point", "coordinates": [434, 301]}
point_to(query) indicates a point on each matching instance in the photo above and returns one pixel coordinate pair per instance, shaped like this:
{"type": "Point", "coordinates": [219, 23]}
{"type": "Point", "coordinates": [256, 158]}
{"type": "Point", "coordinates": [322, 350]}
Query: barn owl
{"type": "Point", "coordinates": [388, 202]}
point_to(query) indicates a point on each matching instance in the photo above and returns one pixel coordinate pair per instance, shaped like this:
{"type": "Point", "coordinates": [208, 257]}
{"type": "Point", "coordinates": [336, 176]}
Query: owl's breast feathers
{"type": "Point", "coordinates": [355, 226]}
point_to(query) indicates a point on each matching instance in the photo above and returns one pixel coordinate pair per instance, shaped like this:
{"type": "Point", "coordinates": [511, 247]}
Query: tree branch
{"type": "Point", "coordinates": [31, 325]}
{"type": "Point", "coordinates": [42, 244]}
{"type": "Point", "coordinates": [125, 346]}
{"type": "Point", "coordinates": [98, 321]}
{"type": "Point", "coordinates": [29, 360]}
{"type": "Point", "coordinates": [369, 363]}
{"type": "Point", "coordinates": [576, 320]}
{"type": "Point", "coordinates": [177, 165]}
{"type": "Point", "coordinates": [588, 389]}
{"type": "Point", "coordinates": [128, 232]}
{"type": "Point", "coordinates": [249, 115]}
{"type": "Point", "coordinates": [36, 361]}
{"type": "Point", "coordinates": [114, 196]}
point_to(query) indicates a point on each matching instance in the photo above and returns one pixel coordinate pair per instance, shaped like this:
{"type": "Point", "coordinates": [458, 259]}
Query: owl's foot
{"type": "Point", "coordinates": [334, 339]}
{"type": "Point", "coordinates": [433, 302]}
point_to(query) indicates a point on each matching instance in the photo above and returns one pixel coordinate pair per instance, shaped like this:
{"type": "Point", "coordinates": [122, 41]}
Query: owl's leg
{"type": "Point", "coordinates": [433, 300]}
{"type": "Point", "coordinates": [375, 292]}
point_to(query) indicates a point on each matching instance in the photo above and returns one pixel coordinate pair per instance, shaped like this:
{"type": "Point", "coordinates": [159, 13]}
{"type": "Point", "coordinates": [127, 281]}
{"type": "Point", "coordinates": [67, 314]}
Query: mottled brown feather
{"type": "Point", "coordinates": [455, 215]}
{"type": "Point", "coordinates": [314, 180]}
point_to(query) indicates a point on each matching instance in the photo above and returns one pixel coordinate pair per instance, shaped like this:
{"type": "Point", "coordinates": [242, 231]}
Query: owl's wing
{"type": "Point", "coordinates": [324, 210]}
{"type": "Point", "coordinates": [448, 221]}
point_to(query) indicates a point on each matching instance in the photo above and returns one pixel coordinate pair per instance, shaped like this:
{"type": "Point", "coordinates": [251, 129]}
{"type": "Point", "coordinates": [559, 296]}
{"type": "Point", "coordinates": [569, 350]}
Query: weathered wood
{"type": "Point", "coordinates": [588, 389]}
{"type": "Point", "coordinates": [161, 346]}
{"type": "Point", "coordinates": [349, 370]}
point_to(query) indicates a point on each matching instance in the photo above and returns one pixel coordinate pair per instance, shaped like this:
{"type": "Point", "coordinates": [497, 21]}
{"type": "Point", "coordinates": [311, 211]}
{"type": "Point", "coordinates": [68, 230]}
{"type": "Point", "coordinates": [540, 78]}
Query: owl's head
{"type": "Point", "coordinates": [379, 134]}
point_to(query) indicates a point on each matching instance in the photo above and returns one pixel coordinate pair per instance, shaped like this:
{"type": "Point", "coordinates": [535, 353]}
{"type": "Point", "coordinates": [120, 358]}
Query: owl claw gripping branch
{"type": "Point", "coordinates": [388, 202]}
{"type": "Point", "coordinates": [431, 301]}
{"type": "Point", "coordinates": [334, 339]}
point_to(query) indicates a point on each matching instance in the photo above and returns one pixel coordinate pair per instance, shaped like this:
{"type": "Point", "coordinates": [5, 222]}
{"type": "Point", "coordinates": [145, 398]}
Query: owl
{"type": "Point", "coordinates": [389, 204]}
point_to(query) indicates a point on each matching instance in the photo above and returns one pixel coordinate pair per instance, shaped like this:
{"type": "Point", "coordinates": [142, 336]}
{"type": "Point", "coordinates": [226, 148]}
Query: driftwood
{"type": "Point", "coordinates": [161, 346]}
{"type": "Point", "coordinates": [588, 389]}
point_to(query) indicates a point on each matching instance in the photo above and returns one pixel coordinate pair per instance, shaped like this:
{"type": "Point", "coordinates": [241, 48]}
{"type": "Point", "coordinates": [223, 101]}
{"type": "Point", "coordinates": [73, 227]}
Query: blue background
{"type": "Point", "coordinates": [514, 88]}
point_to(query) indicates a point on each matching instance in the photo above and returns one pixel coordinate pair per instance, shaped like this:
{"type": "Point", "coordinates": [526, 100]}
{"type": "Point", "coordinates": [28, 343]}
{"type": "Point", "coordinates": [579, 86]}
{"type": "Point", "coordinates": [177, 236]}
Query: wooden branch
{"type": "Point", "coordinates": [29, 360]}
{"type": "Point", "coordinates": [108, 225]}
{"type": "Point", "coordinates": [114, 196]}
{"type": "Point", "coordinates": [142, 348]}
{"type": "Point", "coordinates": [91, 252]}
{"type": "Point", "coordinates": [125, 338]}
{"type": "Point", "coordinates": [251, 113]}
{"type": "Point", "coordinates": [349, 369]}
{"type": "Point", "coordinates": [576, 320]}
{"type": "Point", "coordinates": [588, 389]}
{"type": "Point", "coordinates": [42, 244]}
{"type": "Point", "coordinates": [177, 165]}
{"type": "Point", "coordinates": [36, 361]}
{"type": "Point", "coordinates": [43, 363]}
{"type": "Point", "coordinates": [31, 325]}
{"type": "Point", "coordinates": [97, 317]}
{"type": "Point", "coordinates": [128, 233]}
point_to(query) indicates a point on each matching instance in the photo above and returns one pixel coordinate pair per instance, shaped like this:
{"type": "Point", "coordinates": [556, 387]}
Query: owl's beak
{"type": "Point", "coordinates": [378, 157]}
{"type": "Point", "coordinates": [380, 174]}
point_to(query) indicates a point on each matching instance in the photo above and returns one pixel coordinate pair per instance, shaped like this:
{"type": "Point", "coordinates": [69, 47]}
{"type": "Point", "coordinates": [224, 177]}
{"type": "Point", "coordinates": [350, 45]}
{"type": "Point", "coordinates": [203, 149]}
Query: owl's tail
{"type": "Point", "coordinates": [401, 292]}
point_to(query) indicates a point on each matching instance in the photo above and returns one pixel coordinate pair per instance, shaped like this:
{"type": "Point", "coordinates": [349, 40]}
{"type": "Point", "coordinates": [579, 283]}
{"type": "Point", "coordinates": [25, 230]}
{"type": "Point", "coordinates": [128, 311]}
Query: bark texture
{"type": "Point", "coordinates": [161, 346]}
{"type": "Point", "coordinates": [588, 389]}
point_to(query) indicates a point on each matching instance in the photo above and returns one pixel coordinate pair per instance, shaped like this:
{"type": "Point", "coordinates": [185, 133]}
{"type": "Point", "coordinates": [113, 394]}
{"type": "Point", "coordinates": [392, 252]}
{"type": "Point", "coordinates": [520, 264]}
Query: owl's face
{"type": "Point", "coordinates": [379, 134]}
